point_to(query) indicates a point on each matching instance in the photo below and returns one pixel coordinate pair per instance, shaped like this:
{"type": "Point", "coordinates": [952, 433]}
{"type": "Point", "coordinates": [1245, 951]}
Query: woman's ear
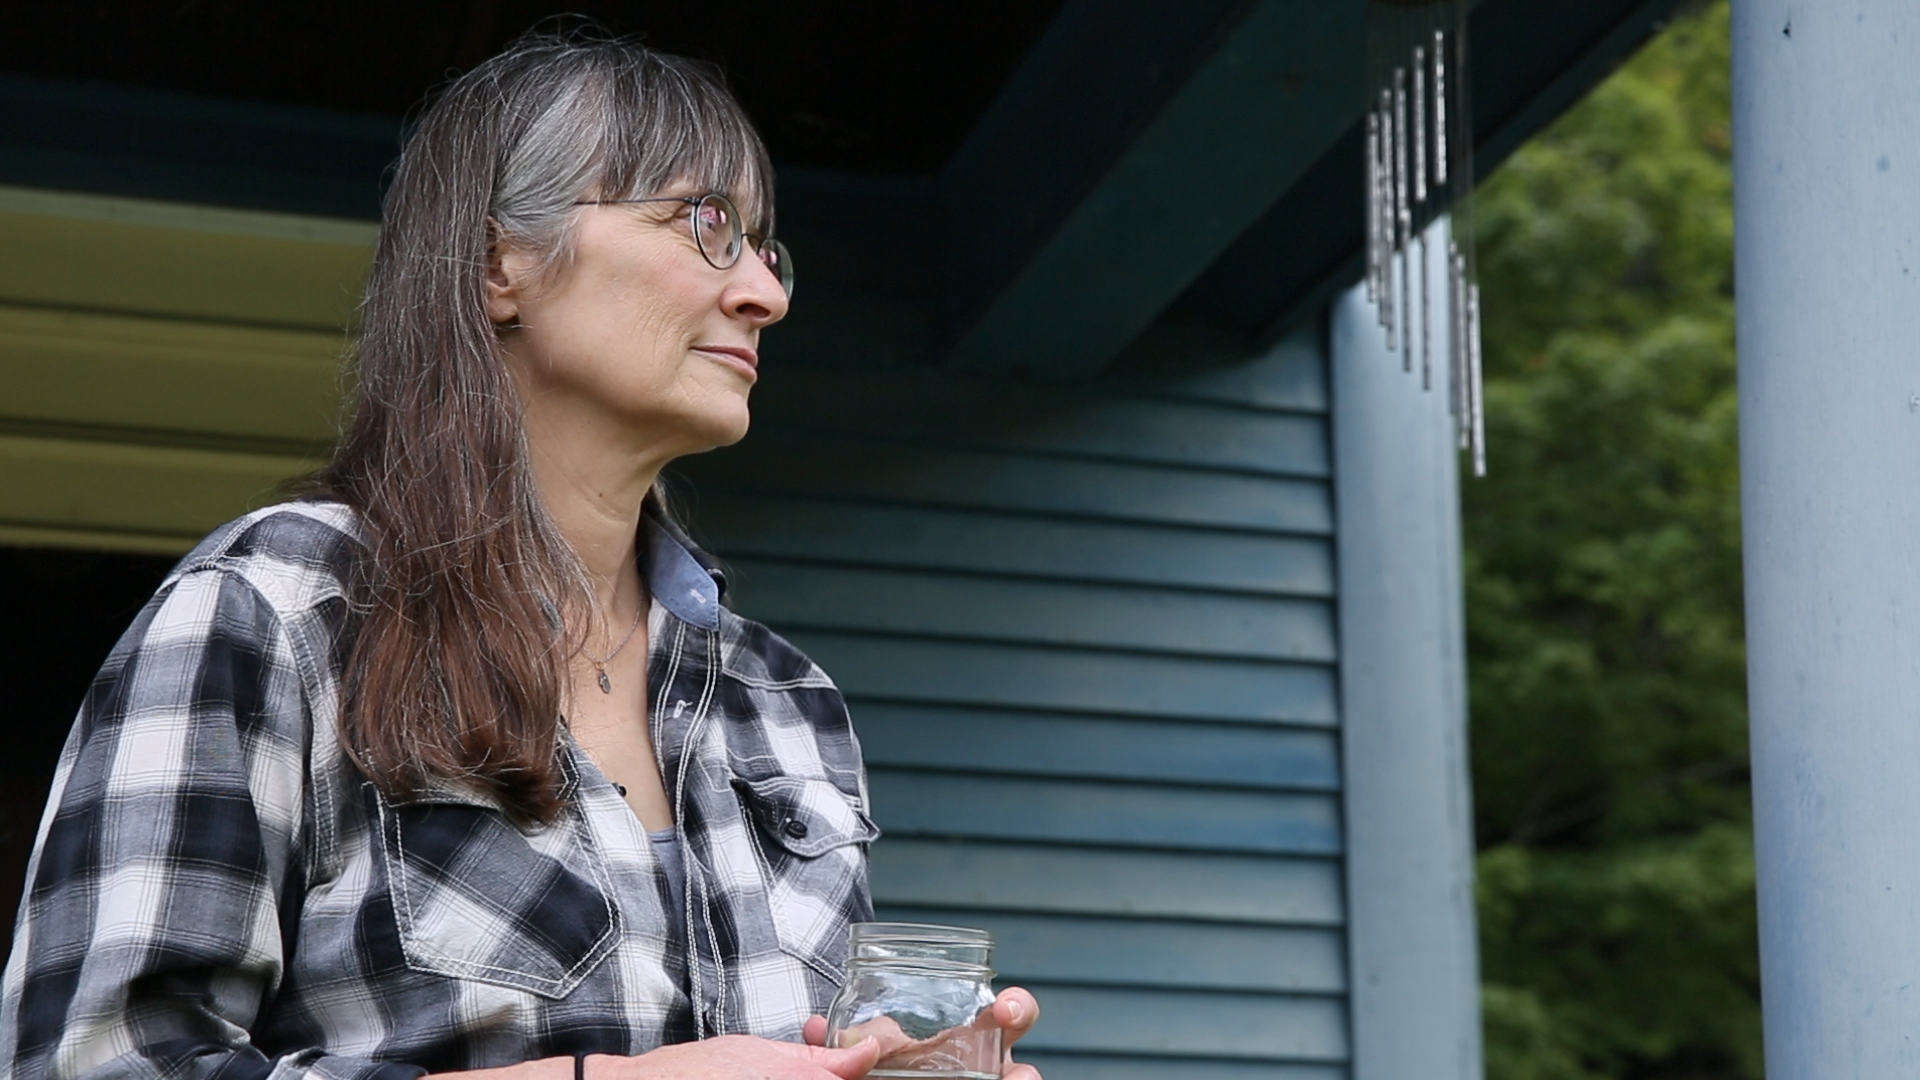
{"type": "Point", "coordinates": [509, 272]}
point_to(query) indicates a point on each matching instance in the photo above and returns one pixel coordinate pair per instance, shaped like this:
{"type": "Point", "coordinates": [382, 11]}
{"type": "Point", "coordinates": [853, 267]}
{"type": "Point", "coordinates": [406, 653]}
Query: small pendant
{"type": "Point", "coordinates": [606, 684]}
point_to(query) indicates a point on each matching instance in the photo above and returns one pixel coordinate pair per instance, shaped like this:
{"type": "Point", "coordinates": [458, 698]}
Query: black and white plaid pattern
{"type": "Point", "coordinates": [216, 892]}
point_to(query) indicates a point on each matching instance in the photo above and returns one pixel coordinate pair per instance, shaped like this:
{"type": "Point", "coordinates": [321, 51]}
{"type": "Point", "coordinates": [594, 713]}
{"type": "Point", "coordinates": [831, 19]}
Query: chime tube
{"type": "Point", "coordinates": [1373, 214]}
{"type": "Point", "coordinates": [1390, 206]}
{"type": "Point", "coordinates": [1453, 334]}
{"type": "Point", "coordinates": [1476, 410]}
{"type": "Point", "coordinates": [1419, 125]}
{"type": "Point", "coordinates": [1442, 145]}
{"type": "Point", "coordinates": [1381, 221]}
{"type": "Point", "coordinates": [1403, 217]}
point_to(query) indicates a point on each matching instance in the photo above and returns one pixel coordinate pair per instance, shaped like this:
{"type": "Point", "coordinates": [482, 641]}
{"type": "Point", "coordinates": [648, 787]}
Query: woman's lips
{"type": "Point", "coordinates": [740, 355]}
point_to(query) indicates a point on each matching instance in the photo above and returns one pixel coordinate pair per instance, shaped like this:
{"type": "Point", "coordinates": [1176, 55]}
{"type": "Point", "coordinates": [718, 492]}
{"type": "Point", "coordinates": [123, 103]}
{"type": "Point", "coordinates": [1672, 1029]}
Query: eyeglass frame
{"type": "Point", "coordinates": [782, 274]}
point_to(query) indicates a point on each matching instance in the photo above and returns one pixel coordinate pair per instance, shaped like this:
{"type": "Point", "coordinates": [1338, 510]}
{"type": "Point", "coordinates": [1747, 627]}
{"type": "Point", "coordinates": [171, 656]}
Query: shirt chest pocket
{"type": "Point", "coordinates": [811, 840]}
{"type": "Point", "coordinates": [476, 898]}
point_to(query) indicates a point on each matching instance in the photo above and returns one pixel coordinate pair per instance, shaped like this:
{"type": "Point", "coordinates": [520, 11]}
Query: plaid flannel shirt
{"type": "Point", "coordinates": [216, 891]}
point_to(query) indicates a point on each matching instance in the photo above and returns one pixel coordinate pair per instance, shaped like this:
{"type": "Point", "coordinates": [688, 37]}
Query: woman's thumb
{"type": "Point", "coordinates": [850, 1063]}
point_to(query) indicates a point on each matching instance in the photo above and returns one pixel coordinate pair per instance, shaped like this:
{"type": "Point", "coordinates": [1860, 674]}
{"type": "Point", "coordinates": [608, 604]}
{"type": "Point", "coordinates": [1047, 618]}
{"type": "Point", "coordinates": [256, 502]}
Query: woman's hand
{"type": "Point", "coordinates": [736, 1057]}
{"type": "Point", "coordinates": [1014, 1012]}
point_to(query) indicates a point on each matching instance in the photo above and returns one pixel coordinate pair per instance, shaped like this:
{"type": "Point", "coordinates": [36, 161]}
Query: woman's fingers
{"type": "Point", "coordinates": [1015, 1010]}
{"type": "Point", "coordinates": [883, 1032]}
{"type": "Point", "coordinates": [851, 1063]}
{"type": "Point", "coordinates": [737, 1057]}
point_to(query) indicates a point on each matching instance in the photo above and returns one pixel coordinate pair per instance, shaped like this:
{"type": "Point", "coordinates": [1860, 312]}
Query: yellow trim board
{"type": "Point", "coordinates": [120, 371]}
{"type": "Point", "coordinates": [35, 536]}
{"type": "Point", "coordinates": [187, 216]}
{"type": "Point", "coordinates": [74, 486]}
{"type": "Point", "coordinates": [138, 256]}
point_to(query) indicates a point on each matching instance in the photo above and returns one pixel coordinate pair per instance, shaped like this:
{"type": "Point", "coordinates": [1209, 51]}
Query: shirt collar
{"type": "Point", "coordinates": [677, 577]}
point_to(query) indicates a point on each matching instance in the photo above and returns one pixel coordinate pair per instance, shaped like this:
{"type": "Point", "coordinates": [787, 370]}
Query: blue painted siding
{"type": "Point", "coordinates": [1087, 634]}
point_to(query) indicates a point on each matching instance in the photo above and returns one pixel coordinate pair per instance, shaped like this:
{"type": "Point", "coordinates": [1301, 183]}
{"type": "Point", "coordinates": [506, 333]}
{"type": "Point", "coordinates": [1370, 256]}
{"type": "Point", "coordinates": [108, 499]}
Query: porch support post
{"type": "Point", "coordinates": [1826, 116]}
{"type": "Point", "coordinates": [1412, 945]}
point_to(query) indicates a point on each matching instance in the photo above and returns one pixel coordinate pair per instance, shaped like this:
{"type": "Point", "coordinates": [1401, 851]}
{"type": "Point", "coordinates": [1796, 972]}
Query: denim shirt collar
{"type": "Point", "coordinates": [685, 585]}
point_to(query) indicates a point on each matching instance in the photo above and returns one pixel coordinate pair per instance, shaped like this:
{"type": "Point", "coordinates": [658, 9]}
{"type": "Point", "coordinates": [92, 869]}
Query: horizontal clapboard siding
{"type": "Point", "coordinates": [1134, 952]}
{"type": "Point", "coordinates": [1181, 1022]}
{"type": "Point", "coordinates": [1057, 1066]}
{"type": "Point", "coordinates": [901, 668]}
{"type": "Point", "coordinates": [1105, 813]}
{"type": "Point", "coordinates": [1275, 442]}
{"type": "Point", "coordinates": [1055, 744]}
{"type": "Point", "coordinates": [929, 538]}
{"type": "Point", "coordinates": [901, 473]}
{"type": "Point", "coordinates": [1147, 884]}
{"type": "Point", "coordinates": [1087, 635]}
{"type": "Point", "coordinates": [990, 607]}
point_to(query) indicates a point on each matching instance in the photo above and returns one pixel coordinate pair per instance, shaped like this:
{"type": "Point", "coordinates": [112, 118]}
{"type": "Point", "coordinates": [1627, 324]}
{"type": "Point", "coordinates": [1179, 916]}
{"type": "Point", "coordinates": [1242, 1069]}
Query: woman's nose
{"type": "Point", "coordinates": [755, 294]}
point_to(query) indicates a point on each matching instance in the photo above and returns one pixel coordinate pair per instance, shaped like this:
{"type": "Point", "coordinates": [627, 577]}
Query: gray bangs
{"type": "Point", "coordinates": [674, 125]}
{"type": "Point", "coordinates": [615, 120]}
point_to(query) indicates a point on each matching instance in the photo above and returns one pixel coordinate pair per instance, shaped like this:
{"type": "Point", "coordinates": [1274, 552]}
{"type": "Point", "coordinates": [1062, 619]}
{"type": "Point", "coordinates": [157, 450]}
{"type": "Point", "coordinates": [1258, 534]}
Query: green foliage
{"type": "Point", "coordinates": [1604, 590]}
{"type": "Point", "coordinates": [1626, 960]}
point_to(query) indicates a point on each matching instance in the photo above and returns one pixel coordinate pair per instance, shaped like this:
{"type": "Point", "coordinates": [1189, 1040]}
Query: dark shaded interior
{"type": "Point", "coordinates": [876, 85]}
{"type": "Point", "coordinates": [60, 613]}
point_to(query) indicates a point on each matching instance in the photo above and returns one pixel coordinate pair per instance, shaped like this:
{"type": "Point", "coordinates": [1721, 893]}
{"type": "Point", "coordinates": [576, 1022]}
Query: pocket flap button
{"type": "Point", "coordinates": [795, 828]}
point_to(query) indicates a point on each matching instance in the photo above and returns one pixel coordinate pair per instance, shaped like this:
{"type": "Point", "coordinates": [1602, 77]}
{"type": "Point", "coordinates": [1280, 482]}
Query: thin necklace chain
{"type": "Point", "coordinates": [600, 666]}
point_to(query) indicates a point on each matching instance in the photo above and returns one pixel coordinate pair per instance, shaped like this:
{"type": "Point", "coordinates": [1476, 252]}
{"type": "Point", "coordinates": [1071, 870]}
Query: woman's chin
{"type": "Point", "coordinates": [719, 428]}
{"type": "Point", "coordinates": [689, 425]}
{"type": "Point", "coordinates": [735, 432]}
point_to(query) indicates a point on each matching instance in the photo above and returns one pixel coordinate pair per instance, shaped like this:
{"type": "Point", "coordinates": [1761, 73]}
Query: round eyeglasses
{"type": "Point", "coordinates": [719, 234]}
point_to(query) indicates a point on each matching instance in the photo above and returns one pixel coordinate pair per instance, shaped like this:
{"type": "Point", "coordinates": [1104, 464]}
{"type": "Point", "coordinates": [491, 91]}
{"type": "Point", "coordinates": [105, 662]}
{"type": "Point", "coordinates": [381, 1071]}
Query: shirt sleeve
{"type": "Point", "coordinates": [164, 887]}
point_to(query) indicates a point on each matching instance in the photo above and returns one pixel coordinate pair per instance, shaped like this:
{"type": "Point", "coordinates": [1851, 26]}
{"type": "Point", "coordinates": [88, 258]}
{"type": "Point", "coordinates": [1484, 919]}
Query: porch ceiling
{"type": "Point", "coordinates": [1055, 182]}
{"type": "Point", "coordinates": [869, 86]}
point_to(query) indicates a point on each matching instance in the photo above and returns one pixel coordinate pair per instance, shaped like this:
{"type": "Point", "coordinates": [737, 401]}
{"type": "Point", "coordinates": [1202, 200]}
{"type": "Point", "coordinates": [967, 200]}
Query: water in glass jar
{"type": "Point", "coordinates": [925, 992]}
{"type": "Point", "coordinates": [960, 1053]}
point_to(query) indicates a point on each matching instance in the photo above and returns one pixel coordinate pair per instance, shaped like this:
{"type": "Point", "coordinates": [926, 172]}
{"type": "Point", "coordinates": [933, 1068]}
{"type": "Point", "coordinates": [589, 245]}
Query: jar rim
{"type": "Point", "coordinates": [923, 965]}
{"type": "Point", "coordinates": [910, 931]}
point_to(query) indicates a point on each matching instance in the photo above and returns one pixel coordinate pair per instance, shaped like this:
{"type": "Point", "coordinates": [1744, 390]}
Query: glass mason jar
{"type": "Point", "coordinates": [927, 993]}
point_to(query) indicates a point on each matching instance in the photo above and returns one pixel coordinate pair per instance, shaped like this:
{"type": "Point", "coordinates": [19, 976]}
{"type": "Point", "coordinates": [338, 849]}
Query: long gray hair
{"type": "Point", "coordinates": [457, 660]}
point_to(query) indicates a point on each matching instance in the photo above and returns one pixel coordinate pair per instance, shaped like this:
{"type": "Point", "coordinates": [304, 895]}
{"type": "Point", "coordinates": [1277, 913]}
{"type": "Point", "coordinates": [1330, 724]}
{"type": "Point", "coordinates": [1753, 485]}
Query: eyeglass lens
{"type": "Point", "coordinates": [774, 254]}
{"type": "Point", "coordinates": [717, 229]}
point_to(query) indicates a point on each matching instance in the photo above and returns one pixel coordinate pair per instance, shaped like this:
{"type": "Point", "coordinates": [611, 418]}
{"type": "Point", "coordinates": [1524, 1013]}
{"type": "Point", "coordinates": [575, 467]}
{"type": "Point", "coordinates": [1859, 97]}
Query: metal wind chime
{"type": "Point", "coordinates": [1419, 168]}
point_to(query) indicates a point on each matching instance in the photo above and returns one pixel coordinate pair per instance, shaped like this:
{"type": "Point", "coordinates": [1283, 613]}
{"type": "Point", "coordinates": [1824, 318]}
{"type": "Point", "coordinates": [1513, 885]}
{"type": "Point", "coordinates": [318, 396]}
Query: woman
{"type": "Point", "coordinates": [459, 764]}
